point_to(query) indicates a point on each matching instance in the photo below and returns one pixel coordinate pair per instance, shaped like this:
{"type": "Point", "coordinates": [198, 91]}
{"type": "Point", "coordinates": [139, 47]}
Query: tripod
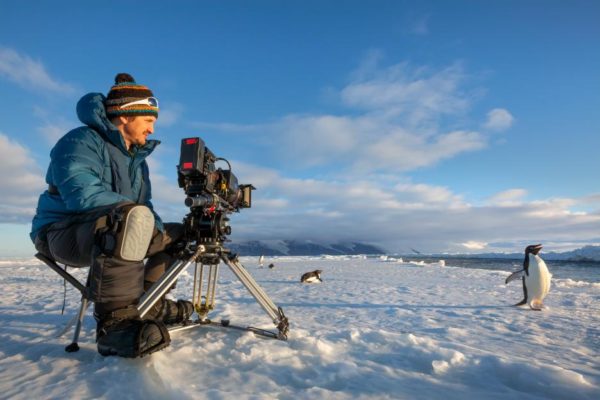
{"type": "Point", "coordinates": [210, 255]}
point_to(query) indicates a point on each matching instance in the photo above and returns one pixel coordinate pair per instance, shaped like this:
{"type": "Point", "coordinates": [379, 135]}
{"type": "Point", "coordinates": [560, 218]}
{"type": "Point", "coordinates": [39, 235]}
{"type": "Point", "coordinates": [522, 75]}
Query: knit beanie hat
{"type": "Point", "coordinates": [128, 98]}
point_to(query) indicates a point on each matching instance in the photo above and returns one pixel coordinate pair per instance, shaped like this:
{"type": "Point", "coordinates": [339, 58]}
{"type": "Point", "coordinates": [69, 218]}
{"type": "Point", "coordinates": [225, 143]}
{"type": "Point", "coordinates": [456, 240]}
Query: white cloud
{"type": "Point", "coordinates": [472, 245]}
{"type": "Point", "coordinates": [428, 194]}
{"type": "Point", "coordinates": [29, 73]}
{"type": "Point", "coordinates": [405, 151]}
{"type": "Point", "coordinates": [318, 140]}
{"type": "Point", "coordinates": [508, 198]}
{"type": "Point", "coordinates": [499, 119]}
{"type": "Point", "coordinates": [589, 203]}
{"type": "Point", "coordinates": [552, 208]}
{"type": "Point", "coordinates": [21, 181]}
{"type": "Point", "coordinates": [419, 94]}
{"type": "Point", "coordinates": [591, 199]}
{"type": "Point", "coordinates": [366, 144]}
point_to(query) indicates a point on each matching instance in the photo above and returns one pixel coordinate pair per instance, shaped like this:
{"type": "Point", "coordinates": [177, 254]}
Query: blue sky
{"type": "Point", "coordinates": [461, 126]}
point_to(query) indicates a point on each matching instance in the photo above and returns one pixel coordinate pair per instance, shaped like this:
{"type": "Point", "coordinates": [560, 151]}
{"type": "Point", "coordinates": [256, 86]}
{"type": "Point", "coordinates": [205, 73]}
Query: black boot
{"type": "Point", "coordinates": [122, 333]}
{"type": "Point", "coordinates": [170, 312]}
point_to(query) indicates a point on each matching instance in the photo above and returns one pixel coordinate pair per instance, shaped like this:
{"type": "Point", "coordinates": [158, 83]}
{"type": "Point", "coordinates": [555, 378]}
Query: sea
{"type": "Point", "coordinates": [587, 271]}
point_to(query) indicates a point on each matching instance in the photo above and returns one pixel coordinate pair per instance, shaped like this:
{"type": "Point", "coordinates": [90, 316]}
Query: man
{"type": "Point", "coordinates": [97, 212]}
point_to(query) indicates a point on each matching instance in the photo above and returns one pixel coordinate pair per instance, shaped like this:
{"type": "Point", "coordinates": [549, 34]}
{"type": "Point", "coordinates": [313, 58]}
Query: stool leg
{"type": "Point", "coordinates": [73, 347]}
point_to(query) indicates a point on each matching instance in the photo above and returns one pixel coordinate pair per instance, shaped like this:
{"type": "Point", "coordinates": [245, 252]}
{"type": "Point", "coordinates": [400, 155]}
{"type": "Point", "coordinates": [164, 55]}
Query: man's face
{"type": "Point", "coordinates": [136, 129]}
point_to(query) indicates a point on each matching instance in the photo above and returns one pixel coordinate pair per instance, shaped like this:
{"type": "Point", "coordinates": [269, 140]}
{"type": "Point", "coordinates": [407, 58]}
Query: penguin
{"type": "Point", "coordinates": [312, 277]}
{"type": "Point", "coordinates": [536, 278]}
{"type": "Point", "coordinates": [261, 261]}
{"type": "Point", "coordinates": [271, 266]}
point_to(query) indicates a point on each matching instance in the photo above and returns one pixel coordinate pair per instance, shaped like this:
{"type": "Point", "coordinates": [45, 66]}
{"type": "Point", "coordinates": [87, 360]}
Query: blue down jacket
{"type": "Point", "coordinates": [91, 167]}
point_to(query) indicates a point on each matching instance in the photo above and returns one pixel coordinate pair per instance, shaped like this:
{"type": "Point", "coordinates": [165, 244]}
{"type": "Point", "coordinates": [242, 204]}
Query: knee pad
{"type": "Point", "coordinates": [130, 235]}
{"type": "Point", "coordinates": [138, 226]}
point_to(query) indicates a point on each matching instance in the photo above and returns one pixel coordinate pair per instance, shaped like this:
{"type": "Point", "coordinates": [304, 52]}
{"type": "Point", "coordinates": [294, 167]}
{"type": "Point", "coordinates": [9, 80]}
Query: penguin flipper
{"type": "Point", "coordinates": [515, 275]}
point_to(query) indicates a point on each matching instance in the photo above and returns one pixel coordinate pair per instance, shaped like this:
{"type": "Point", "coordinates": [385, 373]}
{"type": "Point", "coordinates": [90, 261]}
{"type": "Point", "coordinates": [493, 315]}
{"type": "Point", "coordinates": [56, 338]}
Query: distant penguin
{"type": "Point", "coordinates": [271, 266]}
{"type": "Point", "coordinates": [261, 261]}
{"type": "Point", "coordinates": [536, 278]}
{"type": "Point", "coordinates": [312, 277]}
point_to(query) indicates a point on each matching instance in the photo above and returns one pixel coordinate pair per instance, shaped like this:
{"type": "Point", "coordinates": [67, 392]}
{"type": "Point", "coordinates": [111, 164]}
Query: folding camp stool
{"type": "Point", "coordinates": [85, 297]}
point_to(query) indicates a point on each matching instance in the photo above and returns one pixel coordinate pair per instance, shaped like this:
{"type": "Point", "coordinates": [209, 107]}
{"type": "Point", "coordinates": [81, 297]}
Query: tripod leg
{"type": "Point", "coordinates": [197, 293]}
{"type": "Point", "coordinates": [276, 313]}
{"type": "Point", "coordinates": [163, 285]}
{"type": "Point", "coordinates": [211, 286]}
{"type": "Point", "coordinates": [203, 307]}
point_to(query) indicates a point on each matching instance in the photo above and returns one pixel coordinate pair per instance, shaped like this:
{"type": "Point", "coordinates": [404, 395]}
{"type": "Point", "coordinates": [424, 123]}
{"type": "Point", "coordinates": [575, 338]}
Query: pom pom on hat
{"type": "Point", "coordinates": [126, 90]}
{"type": "Point", "coordinates": [123, 77]}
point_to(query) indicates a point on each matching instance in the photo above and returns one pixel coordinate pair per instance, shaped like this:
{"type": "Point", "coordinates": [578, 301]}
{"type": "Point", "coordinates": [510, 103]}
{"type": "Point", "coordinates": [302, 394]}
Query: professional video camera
{"type": "Point", "coordinates": [212, 194]}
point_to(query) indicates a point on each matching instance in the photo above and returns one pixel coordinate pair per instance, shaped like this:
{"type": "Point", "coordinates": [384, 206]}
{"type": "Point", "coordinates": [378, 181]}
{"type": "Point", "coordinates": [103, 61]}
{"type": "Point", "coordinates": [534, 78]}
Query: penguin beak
{"type": "Point", "coordinates": [537, 248]}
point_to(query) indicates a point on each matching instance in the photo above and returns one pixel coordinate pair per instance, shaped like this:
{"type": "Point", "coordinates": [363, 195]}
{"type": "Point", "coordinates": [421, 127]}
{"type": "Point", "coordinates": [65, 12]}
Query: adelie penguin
{"type": "Point", "coordinates": [312, 277]}
{"type": "Point", "coordinates": [536, 278]}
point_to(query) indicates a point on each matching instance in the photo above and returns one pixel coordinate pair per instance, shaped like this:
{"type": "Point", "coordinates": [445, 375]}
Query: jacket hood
{"type": "Point", "coordinates": [91, 111]}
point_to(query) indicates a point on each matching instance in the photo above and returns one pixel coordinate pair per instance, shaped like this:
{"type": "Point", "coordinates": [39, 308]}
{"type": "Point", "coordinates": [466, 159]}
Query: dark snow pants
{"type": "Point", "coordinates": [81, 241]}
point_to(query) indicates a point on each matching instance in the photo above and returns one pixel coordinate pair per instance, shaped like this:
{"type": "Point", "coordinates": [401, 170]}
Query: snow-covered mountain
{"type": "Point", "coordinates": [314, 248]}
{"type": "Point", "coordinates": [586, 254]}
{"type": "Point", "coordinates": [301, 248]}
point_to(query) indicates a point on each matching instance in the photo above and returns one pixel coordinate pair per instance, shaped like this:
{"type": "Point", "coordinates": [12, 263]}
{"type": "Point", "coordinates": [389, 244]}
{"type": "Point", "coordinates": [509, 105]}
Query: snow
{"type": "Point", "coordinates": [374, 329]}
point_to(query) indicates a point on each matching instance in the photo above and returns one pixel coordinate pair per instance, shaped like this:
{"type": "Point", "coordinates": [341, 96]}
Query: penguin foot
{"type": "Point", "coordinates": [536, 305]}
